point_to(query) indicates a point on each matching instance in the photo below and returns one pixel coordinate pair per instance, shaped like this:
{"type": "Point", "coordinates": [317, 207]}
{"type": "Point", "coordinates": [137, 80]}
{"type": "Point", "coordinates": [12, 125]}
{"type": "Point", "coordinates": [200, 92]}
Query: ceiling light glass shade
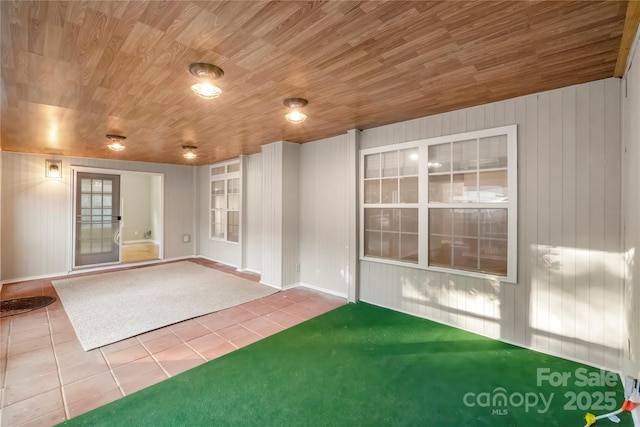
{"type": "Point", "coordinates": [206, 90]}
{"type": "Point", "coordinates": [295, 117]}
{"type": "Point", "coordinates": [116, 146]}
{"type": "Point", "coordinates": [189, 152]}
{"type": "Point", "coordinates": [116, 142]}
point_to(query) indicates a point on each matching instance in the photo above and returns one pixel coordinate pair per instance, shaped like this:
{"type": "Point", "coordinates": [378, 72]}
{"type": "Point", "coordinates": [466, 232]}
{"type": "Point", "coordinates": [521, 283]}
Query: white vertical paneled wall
{"type": "Point", "coordinates": [280, 214]}
{"type": "Point", "coordinates": [568, 299]}
{"type": "Point", "coordinates": [36, 218]}
{"type": "Point", "coordinates": [631, 212]}
{"type": "Point", "coordinates": [218, 250]}
{"type": "Point", "coordinates": [290, 214]}
{"type": "Point", "coordinates": [36, 212]}
{"type": "Point", "coordinates": [325, 214]}
{"type": "Point", "coordinates": [157, 230]}
{"type": "Point", "coordinates": [252, 215]}
{"type": "Point", "coordinates": [271, 271]}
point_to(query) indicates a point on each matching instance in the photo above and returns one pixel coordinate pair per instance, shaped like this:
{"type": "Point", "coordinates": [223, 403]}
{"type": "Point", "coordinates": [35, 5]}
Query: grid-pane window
{"type": "Point", "coordinates": [390, 205]}
{"type": "Point", "coordinates": [225, 201]}
{"type": "Point", "coordinates": [445, 203]}
{"type": "Point", "coordinates": [468, 204]}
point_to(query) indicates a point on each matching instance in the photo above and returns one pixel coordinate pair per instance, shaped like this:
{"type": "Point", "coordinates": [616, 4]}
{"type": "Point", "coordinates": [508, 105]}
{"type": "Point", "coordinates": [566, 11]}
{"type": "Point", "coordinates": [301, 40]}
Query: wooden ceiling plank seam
{"type": "Point", "coordinates": [52, 40]}
{"type": "Point", "coordinates": [118, 37]}
{"type": "Point", "coordinates": [35, 36]}
{"type": "Point", "coordinates": [273, 15]}
{"type": "Point", "coordinates": [297, 23]}
{"type": "Point", "coordinates": [70, 33]}
{"type": "Point", "coordinates": [161, 15]}
{"type": "Point", "coordinates": [57, 10]}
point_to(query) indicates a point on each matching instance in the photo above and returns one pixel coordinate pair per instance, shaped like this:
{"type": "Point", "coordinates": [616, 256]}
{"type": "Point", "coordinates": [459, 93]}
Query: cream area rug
{"type": "Point", "coordinates": [109, 307]}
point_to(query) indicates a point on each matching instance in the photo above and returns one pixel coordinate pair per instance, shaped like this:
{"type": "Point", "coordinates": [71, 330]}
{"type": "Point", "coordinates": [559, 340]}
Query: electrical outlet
{"type": "Point", "coordinates": [298, 267]}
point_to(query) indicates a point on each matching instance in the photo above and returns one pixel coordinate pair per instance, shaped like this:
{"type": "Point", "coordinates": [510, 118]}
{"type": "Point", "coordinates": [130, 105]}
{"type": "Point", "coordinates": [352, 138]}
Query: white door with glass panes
{"type": "Point", "coordinates": [97, 219]}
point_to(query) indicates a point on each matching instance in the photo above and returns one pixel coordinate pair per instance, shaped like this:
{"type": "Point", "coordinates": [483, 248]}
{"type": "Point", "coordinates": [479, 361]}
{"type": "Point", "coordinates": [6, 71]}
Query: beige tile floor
{"type": "Point", "coordinates": [46, 377]}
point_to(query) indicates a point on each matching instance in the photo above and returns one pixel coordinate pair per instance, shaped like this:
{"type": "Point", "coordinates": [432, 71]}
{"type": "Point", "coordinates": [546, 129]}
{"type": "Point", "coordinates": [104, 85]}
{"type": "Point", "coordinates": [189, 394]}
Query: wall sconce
{"type": "Point", "coordinates": [53, 168]}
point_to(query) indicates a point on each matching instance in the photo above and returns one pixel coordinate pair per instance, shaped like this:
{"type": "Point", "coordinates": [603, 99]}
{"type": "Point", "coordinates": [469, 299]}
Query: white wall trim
{"type": "Point", "coordinates": [319, 289]}
{"type": "Point", "coordinates": [75, 169]}
{"type": "Point", "coordinates": [105, 268]}
{"type": "Point", "coordinates": [238, 269]}
{"type": "Point", "coordinates": [29, 278]}
{"type": "Point", "coordinates": [219, 262]}
{"type": "Point", "coordinates": [270, 285]}
{"type": "Point", "coordinates": [354, 215]}
{"type": "Point", "coordinates": [247, 270]}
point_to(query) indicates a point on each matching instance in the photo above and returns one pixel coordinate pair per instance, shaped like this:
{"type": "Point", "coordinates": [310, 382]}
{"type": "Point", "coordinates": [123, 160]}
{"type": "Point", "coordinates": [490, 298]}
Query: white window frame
{"type": "Point", "coordinates": [225, 177]}
{"type": "Point", "coordinates": [423, 201]}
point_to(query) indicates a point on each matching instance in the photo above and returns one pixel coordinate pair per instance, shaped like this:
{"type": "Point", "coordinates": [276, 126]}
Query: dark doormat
{"type": "Point", "coordinates": [22, 305]}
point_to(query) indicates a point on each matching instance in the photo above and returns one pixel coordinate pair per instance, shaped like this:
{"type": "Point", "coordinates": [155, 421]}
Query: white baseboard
{"type": "Point", "coordinates": [218, 261]}
{"type": "Point", "coordinates": [133, 242]}
{"type": "Point", "coordinates": [28, 278]}
{"type": "Point", "coordinates": [270, 285]}
{"type": "Point", "coordinates": [306, 285]}
{"type": "Point", "coordinates": [94, 269]}
{"type": "Point", "coordinates": [248, 270]}
{"type": "Point", "coordinates": [319, 289]}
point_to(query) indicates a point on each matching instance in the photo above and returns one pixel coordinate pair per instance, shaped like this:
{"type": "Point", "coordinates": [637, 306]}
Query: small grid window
{"type": "Point", "coordinates": [225, 202]}
{"type": "Point", "coordinates": [390, 205]}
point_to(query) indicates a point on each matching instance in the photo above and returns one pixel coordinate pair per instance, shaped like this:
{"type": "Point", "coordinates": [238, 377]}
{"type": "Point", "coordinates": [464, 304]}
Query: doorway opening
{"type": "Point", "coordinates": [118, 217]}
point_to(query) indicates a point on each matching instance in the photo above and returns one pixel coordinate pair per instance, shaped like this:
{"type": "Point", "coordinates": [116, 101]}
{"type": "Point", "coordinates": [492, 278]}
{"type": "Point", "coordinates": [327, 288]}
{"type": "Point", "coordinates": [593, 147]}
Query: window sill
{"type": "Point", "coordinates": [465, 273]}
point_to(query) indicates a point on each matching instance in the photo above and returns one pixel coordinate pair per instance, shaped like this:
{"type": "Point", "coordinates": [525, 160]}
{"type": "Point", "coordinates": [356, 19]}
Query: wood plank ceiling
{"type": "Point", "coordinates": [74, 71]}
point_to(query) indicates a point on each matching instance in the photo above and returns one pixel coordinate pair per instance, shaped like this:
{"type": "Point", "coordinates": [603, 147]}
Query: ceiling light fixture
{"type": "Point", "coordinates": [206, 89]}
{"type": "Point", "coordinates": [189, 152]}
{"type": "Point", "coordinates": [295, 116]}
{"type": "Point", "coordinates": [116, 142]}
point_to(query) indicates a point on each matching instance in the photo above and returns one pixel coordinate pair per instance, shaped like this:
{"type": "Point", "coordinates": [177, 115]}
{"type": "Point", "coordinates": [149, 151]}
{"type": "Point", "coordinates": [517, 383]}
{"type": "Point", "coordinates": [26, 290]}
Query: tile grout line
{"type": "Point", "coordinates": [113, 375]}
{"type": "Point", "coordinates": [244, 327]}
{"type": "Point", "coordinates": [194, 350]}
{"type": "Point", "coordinates": [58, 368]}
{"type": "Point", "coordinates": [6, 368]}
{"type": "Point", "coordinates": [153, 356]}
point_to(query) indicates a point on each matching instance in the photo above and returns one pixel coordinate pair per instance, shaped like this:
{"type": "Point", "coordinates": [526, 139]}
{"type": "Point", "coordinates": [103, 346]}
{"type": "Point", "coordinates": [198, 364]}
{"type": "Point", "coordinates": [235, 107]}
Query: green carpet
{"type": "Point", "coordinates": [361, 365]}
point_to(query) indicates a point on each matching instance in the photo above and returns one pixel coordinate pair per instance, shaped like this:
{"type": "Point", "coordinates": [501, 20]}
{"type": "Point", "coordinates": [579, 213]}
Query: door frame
{"type": "Point", "coordinates": [120, 172]}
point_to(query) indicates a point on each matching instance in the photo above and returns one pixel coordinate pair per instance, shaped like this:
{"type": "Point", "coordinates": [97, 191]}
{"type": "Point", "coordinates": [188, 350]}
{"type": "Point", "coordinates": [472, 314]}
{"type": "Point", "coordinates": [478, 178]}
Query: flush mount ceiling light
{"type": "Point", "coordinates": [116, 142]}
{"type": "Point", "coordinates": [189, 152]}
{"type": "Point", "coordinates": [205, 89]}
{"type": "Point", "coordinates": [295, 116]}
